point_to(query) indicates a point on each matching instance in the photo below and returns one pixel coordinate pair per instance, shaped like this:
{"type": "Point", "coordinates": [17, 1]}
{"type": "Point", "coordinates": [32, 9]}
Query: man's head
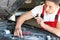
{"type": "Point", "coordinates": [51, 5]}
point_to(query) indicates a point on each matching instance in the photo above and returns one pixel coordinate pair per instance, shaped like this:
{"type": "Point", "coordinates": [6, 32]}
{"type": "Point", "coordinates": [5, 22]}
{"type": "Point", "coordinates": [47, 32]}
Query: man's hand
{"type": "Point", "coordinates": [18, 32]}
{"type": "Point", "coordinates": [39, 20]}
{"type": "Point", "coordinates": [20, 21]}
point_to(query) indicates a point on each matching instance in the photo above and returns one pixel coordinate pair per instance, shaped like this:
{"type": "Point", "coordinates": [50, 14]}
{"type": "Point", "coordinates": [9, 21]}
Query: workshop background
{"type": "Point", "coordinates": [10, 10]}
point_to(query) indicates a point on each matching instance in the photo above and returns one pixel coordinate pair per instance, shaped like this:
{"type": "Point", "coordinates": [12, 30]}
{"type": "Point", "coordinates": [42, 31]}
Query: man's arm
{"type": "Point", "coordinates": [24, 17]}
{"type": "Point", "coordinates": [20, 21]}
{"type": "Point", "coordinates": [55, 31]}
{"type": "Point", "coordinates": [52, 30]}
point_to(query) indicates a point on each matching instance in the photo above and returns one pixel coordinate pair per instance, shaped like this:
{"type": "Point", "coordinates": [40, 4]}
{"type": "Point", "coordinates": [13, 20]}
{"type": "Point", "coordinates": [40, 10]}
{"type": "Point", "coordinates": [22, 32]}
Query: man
{"type": "Point", "coordinates": [49, 21]}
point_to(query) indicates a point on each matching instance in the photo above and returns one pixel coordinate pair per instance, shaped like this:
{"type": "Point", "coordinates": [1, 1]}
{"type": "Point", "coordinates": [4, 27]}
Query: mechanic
{"type": "Point", "coordinates": [48, 17]}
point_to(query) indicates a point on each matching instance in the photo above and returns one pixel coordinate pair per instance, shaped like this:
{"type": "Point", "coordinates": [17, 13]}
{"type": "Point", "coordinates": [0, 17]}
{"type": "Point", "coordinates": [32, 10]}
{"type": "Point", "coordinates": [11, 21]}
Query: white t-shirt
{"type": "Point", "coordinates": [46, 17]}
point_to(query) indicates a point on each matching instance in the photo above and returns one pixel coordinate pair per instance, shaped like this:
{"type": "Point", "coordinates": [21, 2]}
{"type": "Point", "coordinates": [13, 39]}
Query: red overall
{"type": "Point", "coordinates": [51, 24]}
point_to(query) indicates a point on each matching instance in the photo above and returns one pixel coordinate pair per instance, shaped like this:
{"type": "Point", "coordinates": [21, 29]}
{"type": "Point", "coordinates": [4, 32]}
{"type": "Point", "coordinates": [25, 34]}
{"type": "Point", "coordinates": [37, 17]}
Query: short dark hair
{"type": "Point", "coordinates": [55, 1]}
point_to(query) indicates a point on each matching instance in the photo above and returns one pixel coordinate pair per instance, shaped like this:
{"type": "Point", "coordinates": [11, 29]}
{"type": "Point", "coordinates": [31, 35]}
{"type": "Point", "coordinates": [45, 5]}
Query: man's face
{"type": "Point", "coordinates": [50, 7]}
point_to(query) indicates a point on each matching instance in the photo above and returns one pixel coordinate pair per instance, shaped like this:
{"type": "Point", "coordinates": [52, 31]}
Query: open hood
{"type": "Point", "coordinates": [8, 7]}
